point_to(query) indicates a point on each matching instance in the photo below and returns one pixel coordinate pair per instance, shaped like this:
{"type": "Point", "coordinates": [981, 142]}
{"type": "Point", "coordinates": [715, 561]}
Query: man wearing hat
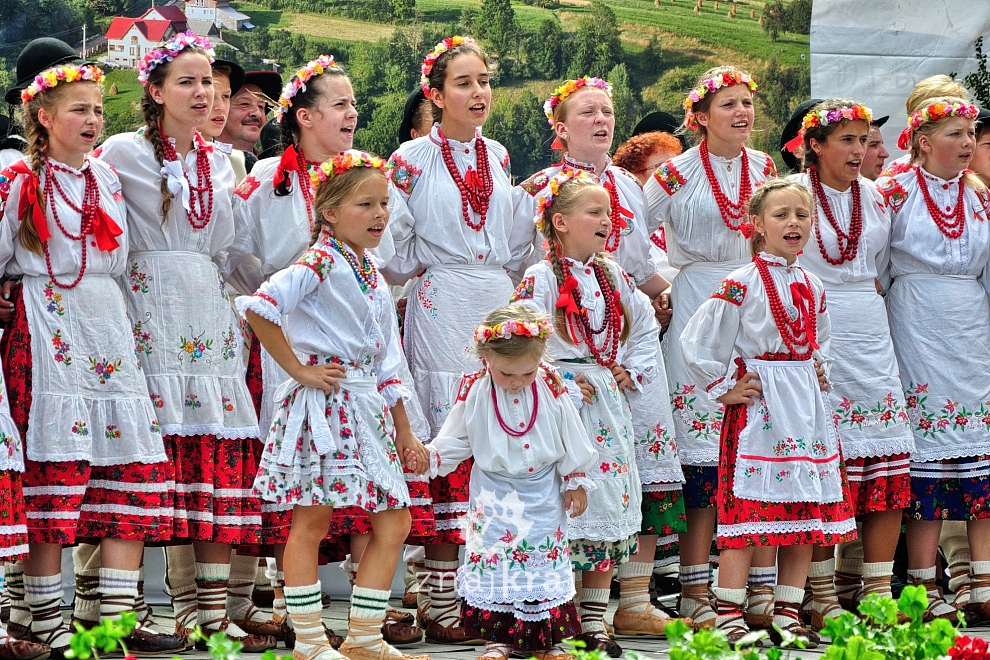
{"type": "Point", "coordinates": [248, 108]}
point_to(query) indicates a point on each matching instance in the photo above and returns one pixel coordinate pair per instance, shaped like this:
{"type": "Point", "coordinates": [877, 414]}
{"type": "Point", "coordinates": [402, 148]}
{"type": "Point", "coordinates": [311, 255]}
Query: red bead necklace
{"type": "Point", "coordinates": [305, 183]}
{"type": "Point", "coordinates": [611, 325]}
{"type": "Point", "coordinates": [90, 205]}
{"type": "Point", "coordinates": [953, 229]}
{"type": "Point", "coordinates": [791, 331]}
{"type": "Point", "coordinates": [479, 192]}
{"type": "Point", "coordinates": [848, 243]}
{"type": "Point", "coordinates": [532, 418]}
{"type": "Point", "coordinates": [618, 222]}
{"type": "Point", "coordinates": [730, 210]}
{"type": "Point", "coordinates": [201, 194]}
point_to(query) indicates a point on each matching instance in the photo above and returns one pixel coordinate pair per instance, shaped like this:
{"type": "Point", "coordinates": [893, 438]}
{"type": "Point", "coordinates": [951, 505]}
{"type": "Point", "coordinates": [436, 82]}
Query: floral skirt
{"type": "Point", "coordinates": [953, 489]}
{"type": "Point", "coordinates": [663, 515]}
{"type": "Point", "coordinates": [450, 495]}
{"type": "Point", "coordinates": [522, 636]}
{"type": "Point", "coordinates": [700, 486]}
{"type": "Point", "coordinates": [881, 483]}
{"type": "Point", "coordinates": [13, 522]}
{"type": "Point", "coordinates": [745, 523]}
{"type": "Point", "coordinates": [354, 520]}
{"type": "Point", "coordinates": [601, 556]}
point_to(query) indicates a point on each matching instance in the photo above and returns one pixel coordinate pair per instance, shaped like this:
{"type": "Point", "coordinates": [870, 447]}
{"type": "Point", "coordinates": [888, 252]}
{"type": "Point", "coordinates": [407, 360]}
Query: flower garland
{"type": "Point", "coordinates": [512, 328]}
{"type": "Point", "coordinates": [66, 73]}
{"type": "Point", "coordinates": [438, 50]}
{"type": "Point", "coordinates": [298, 83]}
{"type": "Point", "coordinates": [553, 189]}
{"type": "Point", "coordinates": [824, 117]}
{"type": "Point", "coordinates": [713, 84]}
{"type": "Point", "coordinates": [938, 111]}
{"type": "Point", "coordinates": [345, 161]}
{"type": "Point", "coordinates": [569, 88]}
{"type": "Point", "coordinates": [170, 50]}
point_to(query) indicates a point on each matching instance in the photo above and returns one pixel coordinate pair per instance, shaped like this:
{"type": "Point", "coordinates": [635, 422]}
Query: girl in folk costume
{"type": "Point", "coordinates": [849, 252]}
{"type": "Point", "coordinates": [580, 112]}
{"type": "Point", "coordinates": [460, 253]}
{"type": "Point", "coordinates": [780, 474]}
{"type": "Point", "coordinates": [178, 190]}
{"type": "Point", "coordinates": [701, 199]}
{"type": "Point", "coordinates": [939, 251]}
{"type": "Point", "coordinates": [531, 455]}
{"type": "Point", "coordinates": [600, 318]}
{"type": "Point", "coordinates": [341, 428]}
{"type": "Point", "coordinates": [97, 466]}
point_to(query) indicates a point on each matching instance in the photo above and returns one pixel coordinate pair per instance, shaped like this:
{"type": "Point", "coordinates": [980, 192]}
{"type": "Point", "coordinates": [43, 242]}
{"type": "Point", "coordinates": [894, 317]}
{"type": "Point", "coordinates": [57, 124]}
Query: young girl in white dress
{"type": "Point", "coordinates": [940, 324]}
{"type": "Point", "coordinates": [340, 435]}
{"type": "Point", "coordinates": [531, 455]}
{"type": "Point", "coordinates": [780, 475]}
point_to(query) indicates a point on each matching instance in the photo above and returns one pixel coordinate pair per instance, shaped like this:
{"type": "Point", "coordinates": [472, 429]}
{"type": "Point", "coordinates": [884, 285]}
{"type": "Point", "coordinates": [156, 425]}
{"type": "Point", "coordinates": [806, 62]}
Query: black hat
{"type": "Point", "coordinates": [663, 122]}
{"type": "Point", "coordinates": [236, 74]}
{"type": "Point", "coordinates": [271, 139]}
{"type": "Point", "coordinates": [983, 118]}
{"type": "Point", "coordinates": [408, 112]}
{"type": "Point", "coordinates": [791, 130]}
{"type": "Point", "coordinates": [40, 54]}
{"type": "Point", "coordinates": [879, 121]}
{"type": "Point", "coordinates": [270, 83]}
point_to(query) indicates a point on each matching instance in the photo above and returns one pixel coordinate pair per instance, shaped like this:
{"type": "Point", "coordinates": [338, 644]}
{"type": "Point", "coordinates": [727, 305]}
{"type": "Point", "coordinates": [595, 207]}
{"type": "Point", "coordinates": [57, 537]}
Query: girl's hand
{"type": "Point", "coordinates": [587, 389]}
{"type": "Point", "coordinates": [622, 377]}
{"type": "Point", "coordinates": [663, 310]}
{"type": "Point", "coordinates": [413, 453]}
{"type": "Point", "coordinates": [879, 287]}
{"type": "Point", "coordinates": [575, 501]}
{"type": "Point", "coordinates": [747, 390]}
{"type": "Point", "coordinates": [6, 307]}
{"type": "Point", "coordinates": [324, 377]}
{"type": "Point", "coordinates": [822, 380]}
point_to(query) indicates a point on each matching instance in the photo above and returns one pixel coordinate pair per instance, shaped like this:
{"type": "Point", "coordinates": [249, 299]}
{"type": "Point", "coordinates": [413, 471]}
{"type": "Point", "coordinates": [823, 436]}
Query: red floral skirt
{"type": "Point", "coordinates": [354, 519]}
{"type": "Point", "coordinates": [744, 523]}
{"type": "Point", "coordinates": [13, 522]}
{"type": "Point", "coordinates": [450, 496]}
{"type": "Point", "coordinates": [881, 483]}
{"type": "Point", "coordinates": [522, 636]}
{"type": "Point", "coordinates": [63, 501]}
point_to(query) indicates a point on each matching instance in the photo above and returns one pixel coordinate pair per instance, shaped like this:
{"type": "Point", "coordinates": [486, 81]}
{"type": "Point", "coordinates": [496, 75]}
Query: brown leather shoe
{"type": "Point", "coordinates": [451, 635]}
{"type": "Point", "coordinates": [148, 643]}
{"type": "Point", "coordinates": [423, 617]}
{"type": "Point", "coordinates": [401, 634]}
{"type": "Point", "coordinates": [19, 649]}
{"type": "Point", "coordinates": [399, 616]}
{"type": "Point", "coordinates": [409, 599]}
{"type": "Point", "coordinates": [260, 628]}
{"type": "Point", "coordinates": [599, 641]}
{"type": "Point", "coordinates": [251, 643]}
{"type": "Point", "coordinates": [18, 631]}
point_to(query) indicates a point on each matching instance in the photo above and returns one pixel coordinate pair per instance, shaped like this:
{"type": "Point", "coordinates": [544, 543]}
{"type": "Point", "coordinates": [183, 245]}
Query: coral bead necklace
{"type": "Point", "coordinates": [476, 186]}
{"type": "Point", "coordinates": [848, 242]}
{"type": "Point", "coordinates": [730, 210]}
{"type": "Point", "coordinates": [532, 418]}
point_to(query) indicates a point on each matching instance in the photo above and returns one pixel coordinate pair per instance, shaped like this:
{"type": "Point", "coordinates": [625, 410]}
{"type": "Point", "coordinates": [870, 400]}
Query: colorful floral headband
{"type": "Point", "coordinates": [507, 329]}
{"type": "Point", "coordinates": [553, 189]}
{"type": "Point", "coordinates": [169, 51]}
{"type": "Point", "coordinates": [934, 112]}
{"type": "Point", "coordinates": [298, 83]}
{"type": "Point", "coordinates": [824, 117]}
{"type": "Point", "coordinates": [569, 88]}
{"type": "Point", "coordinates": [66, 73]}
{"type": "Point", "coordinates": [348, 160]}
{"type": "Point", "coordinates": [713, 84]}
{"type": "Point", "coordinates": [438, 50]}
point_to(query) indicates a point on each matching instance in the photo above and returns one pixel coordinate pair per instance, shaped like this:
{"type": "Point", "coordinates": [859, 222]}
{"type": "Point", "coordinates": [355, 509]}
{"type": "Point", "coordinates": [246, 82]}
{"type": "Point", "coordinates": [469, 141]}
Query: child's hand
{"type": "Point", "coordinates": [747, 390]}
{"type": "Point", "coordinates": [575, 501]}
{"type": "Point", "coordinates": [324, 377]}
{"type": "Point", "coordinates": [587, 389]}
{"type": "Point", "coordinates": [622, 377]}
{"type": "Point", "coordinates": [663, 310]}
{"type": "Point", "coordinates": [413, 453]}
{"type": "Point", "coordinates": [822, 380]}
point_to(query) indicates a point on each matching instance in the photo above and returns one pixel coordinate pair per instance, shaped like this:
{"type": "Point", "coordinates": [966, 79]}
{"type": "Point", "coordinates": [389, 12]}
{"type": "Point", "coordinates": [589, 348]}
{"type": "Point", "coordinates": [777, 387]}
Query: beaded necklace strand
{"type": "Point", "coordinates": [791, 331]}
{"type": "Point", "coordinates": [951, 229]}
{"type": "Point", "coordinates": [730, 210]}
{"type": "Point", "coordinates": [87, 212]}
{"type": "Point", "coordinates": [848, 243]}
{"type": "Point", "coordinates": [532, 418]}
{"type": "Point", "coordinates": [611, 325]}
{"type": "Point", "coordinates": [201, 194]}
{"type": "Point", "coordinates": [366, 273]}
{"type": "Point", "coordinates": [479, 192]}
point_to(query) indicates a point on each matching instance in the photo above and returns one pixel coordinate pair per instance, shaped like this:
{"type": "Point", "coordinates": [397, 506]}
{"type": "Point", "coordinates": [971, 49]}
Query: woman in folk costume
{"type": "Point", "coordinates": [460, 253]}
{"type": "Point", "coordinates": [940, 324]}
{"type": "Point", "coordinates": [848, 251]}
{"type": "Point", "coordinates": [781, 480]}
{"type": "Point", "coordinates": [178, 191]}
{"type": "Point", "coordinates": [700, 197]}
{"type": "Point", "coordinates": [601, 319]}
{"type": "Point", "coordinates": [97, 466]}
{"type": "Point", "coordinates": [531, 455]}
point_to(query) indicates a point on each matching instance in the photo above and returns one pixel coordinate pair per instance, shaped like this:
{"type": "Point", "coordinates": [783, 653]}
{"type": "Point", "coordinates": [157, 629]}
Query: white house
{"type": "Point", "coordinates": [128, 39]}
{"type": "Point", "coordinates": [218, 12]}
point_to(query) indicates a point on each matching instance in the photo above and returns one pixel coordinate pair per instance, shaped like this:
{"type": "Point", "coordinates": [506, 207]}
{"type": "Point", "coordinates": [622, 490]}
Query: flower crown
{"type": "Point", "coordinates": [348, 160]}
{"type": "Point", "coordinates": [713, 84]}
{"type": "Point", "coordinates": [298, 83]}
{"type": "Point", "coordinates": [824, 117]}
{"type": "Point", "coordinates": [937, 111]}
{"type": "Point", "coordinates": [170, 50]}
{"type": "Point", "coordinates": [438, 50]}
{"type": "Point", "coordinates": [569, 88]}
{"type": "Point", "coordinates": [553, 189]}
{"type": "Point", "coordinates": [65, 73]}
{"type": "Point", "coordinates": [507, 329]}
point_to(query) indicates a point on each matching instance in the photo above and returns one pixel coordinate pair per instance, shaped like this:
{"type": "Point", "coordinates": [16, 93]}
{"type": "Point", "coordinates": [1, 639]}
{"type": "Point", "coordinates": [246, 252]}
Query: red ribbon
{"type": "Point", "coordinates": [29, 199]}
{"type": "Point", "coordinates": [557, 145]}
{"type": "Point", "coordinates": [904, 140]}
{"type": "Point", "coordinates": [289, 162]}
{"type": "Point", "coordinates": [566, 298]}
{"type": "Point", "coordinates": [804, 300]}
{"type": "Point", "coordinates": [106, 231]}
{"type": "Point", "coordinates": [792, 145]}
{"type": "Point", "coordinates": [472, 180]}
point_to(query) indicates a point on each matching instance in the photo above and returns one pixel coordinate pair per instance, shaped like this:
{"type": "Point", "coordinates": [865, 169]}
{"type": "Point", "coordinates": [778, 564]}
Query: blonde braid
{"type": "Point", "coordinates": [37, 144]}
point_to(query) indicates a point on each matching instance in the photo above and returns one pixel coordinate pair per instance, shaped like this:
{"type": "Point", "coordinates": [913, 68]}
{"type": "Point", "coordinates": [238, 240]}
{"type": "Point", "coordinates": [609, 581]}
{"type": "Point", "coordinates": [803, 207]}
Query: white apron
{"type": "Point", "coordinates": [653, 429]}
{"type": "Point", "coordinates": [89, 397]}
{"type": "Point", "coordinates": [788, 451]}
{"type": "Point", "coordinates": [11, 451]}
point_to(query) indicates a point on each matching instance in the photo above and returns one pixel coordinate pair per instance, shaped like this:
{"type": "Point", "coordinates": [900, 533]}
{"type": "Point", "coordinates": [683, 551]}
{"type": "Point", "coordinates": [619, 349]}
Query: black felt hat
{"type": "Point", "coordinates": [40, 54]}
{"type": "Point", "coordinates": [409, 112]}
{"type": "Point", "coordinates": [236, 74]}
{"type": "Point", "coordinates": [880, 121]}
{"type": "Point", "coordinates": [663, 122]}
{"type": "Point", "coordinates": [270, 83]}
{"type": "Point", "coordinates": [791, 130]}
{"type": "Point", "coordinates": [983, 118]}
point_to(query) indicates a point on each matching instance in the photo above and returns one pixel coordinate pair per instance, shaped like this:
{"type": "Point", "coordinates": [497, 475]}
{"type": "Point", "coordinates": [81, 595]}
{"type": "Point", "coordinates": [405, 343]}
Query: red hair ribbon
{"type": "Point", "coordinates": [904, 140]}
{"type": "Point", "coordinates": [289, 162]}
{"type": "Point", "coordinates": [793, 145]}
{"type": "Point", "coordinates": [804, 300]}
{"type": "Point", "coordinates": [29, 199]}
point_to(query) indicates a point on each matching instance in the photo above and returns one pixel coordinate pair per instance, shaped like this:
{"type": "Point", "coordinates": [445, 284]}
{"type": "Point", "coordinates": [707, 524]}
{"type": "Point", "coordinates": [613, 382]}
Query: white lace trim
{"type": "Point", "coordinates": [578, 482]}
{"type": "Point", "coordinates": [946, 452]}
{"type": "Point", "coordinates": [787, 527]}
{"type": "Point", "coordinates": [259, 306]}
{"type": "Point", "coordinates": [663, 487]}
{"type": "Point", "coordinates": [877, 447]}
{"type": "Point", "coordinates": [600, 530]}
{"type": "Point", "coordinates": [666, 561]}
{"type": "Point", "coordinates": [703, 457]}
{"type": "Point", "coordinates": [538, 612]}
{"type": "Point", "coordinates": [667, 540]}
{"type": "Point", "coordinates": [217, 430]}
{"type": "Point", "coordinates": [878, 471]}
{"type": "Point", "coordinates": [450, 507]}
{"type": "Point", "coordinates": [447, 524]}
{"type": "Point", "coordinates": [924, 470]}
{"type": "Point", "coordinates": [668, 475]}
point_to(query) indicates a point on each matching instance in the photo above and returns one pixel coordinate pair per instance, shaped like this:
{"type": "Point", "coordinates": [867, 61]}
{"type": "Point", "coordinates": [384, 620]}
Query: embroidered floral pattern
{"type": "Point", "coordinates": [79, 428]}
{"type": "Point", "coordinates": [983, 195]}
{"type": "Point", "coordinates": [731, 291]}
{"type": "Point", "coordinates": [192, 401]}
{"type": "Point", "coordinates": [893, 193]}
{"type": "Point", "coordinates": [886, 412]}
{"type": "Point", "coordinates": [227, 405]}
{"type": "Point", "coordinates": [467, 382]}
{"type": "Point", "coordinates": [318, 261]}
{"type": "Point", "coordinates": [156, 401]}
{"type": "Point", "coordinates": [54, 299]}
{"type": "Point", "coordinates": [702, 426]}
{"type": "Point", "coordinates": [425, 294]}
{"type": "Point", "coordinates": [103, 368]}
{"type": "Point", "coordinates": [403, 174]}
{"type": "Point", "coordinates": [553, 380]}
{"type": "Point", "coordinates": [138, 278]}
{"type": "Point", "coordinates": [142, 340]}
{"type": "Point", "coordinates": [155, 427]}
{"type": "Point", "coordinates": [669, 178]}
{"type": "Point", "coordinates": [534, 184]}
{"type": "Point", "coordinates": [604, 437]}
{"type": "Point", "coordinates": [229, 351]}
{"type": "Point", "coordinates": [195, 347]}
{"type": "Point", "coordinates": [61, 348]}
{"type": "Point", "coordinates": [112, 432]}
{"type": "Point", "coordinates": [788, 446]}
{"type": "Point", "coordinates": [658, 442]}
{"type": "Point", "coordinates": [246, 187]}
{"type": "Point", "coordinates": [765, 415]}
{"type": "Point", "coordinates": [525, 289]}
{"type": "Point", "coordinates": [507, 166]}
{"type": "Point", "coordinates": [952, 415]}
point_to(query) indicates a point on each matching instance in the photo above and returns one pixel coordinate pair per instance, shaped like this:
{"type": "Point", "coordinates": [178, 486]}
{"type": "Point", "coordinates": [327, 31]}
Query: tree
{"type": "Point", "coordinates": [653, 56]}
{"type": "Point", "coordinates": [774, 19]}
{"type": "Point", "coordinates": [781, 89]}
{"type": "Point", "coordinates": [545, 50]}
{"type": "Point", "coordinates": [404, 9]}
{"type": "Point", "coordinates": [380, 136]}
{"type": "Point", "coordinates": [799, 17]}
{"type": "Point", "coordinates": [979, 80]}
{"type": "Point", "coordinates": [468, 16]}
{"type": "Point", "coordinates": [625, 103]}
{"type": "Point", "coordinates": [521, 128]}
{"type": "Point", "coordinates": [597, 44]}
{"type": "Point", "coordinates": [496, 22]}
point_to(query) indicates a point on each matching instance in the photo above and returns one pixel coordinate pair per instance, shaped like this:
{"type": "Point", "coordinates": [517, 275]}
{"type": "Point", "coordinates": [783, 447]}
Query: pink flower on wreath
{"type": "Point", "coordinates": [170, 50]}
{"type": "Point", "coordinates": [447, 44]}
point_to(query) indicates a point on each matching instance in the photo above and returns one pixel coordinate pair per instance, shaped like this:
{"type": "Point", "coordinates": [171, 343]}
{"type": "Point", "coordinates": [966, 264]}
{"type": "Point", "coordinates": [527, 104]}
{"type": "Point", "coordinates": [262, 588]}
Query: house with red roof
{"type": "Point", "coordinates": [128, 39]}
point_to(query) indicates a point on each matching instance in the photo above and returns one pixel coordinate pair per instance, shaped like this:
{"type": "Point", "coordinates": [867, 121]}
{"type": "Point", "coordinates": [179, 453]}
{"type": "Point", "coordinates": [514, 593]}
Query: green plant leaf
{"type": "Point", "coordinates": [913, 602]}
